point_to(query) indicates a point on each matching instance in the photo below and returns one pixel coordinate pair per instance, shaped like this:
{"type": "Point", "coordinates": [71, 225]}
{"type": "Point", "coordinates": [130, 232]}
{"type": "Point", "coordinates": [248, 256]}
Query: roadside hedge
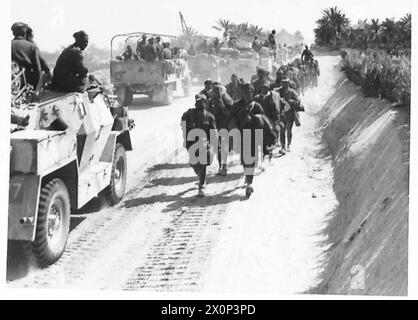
{"type": "Point", "coordinates": [380, 74]}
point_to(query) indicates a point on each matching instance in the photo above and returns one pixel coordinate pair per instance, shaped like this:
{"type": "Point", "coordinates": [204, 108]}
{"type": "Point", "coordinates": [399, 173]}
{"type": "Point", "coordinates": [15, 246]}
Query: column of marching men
{"type": "Point", "coordinates": [264, 108]}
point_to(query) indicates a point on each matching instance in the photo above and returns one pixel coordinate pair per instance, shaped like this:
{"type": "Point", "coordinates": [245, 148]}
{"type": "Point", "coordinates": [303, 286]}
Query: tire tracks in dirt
{"type": "Point", "coordinates": [158, 238]}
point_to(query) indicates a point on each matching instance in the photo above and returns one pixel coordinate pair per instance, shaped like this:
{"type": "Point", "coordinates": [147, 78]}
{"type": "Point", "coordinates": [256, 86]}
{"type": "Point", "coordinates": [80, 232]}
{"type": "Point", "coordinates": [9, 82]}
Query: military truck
{"type": "Point", "coordinates": [157, 79]}
{"type": "Point", "coordinates": [205, 66]}
{"type": "Point", "coordinates": [228, 61]}
{"type": "Point", "coordinates": [68, 149]}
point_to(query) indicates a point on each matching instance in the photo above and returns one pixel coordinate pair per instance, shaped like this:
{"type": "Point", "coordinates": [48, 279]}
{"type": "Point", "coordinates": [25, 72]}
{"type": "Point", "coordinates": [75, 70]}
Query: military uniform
{"type": "Point", "coordinates": [70, 72]}
{"type": "Point", "coordinates": [255, 122]}
{"type": "Point", "coordinates": [258, 83]}
{"type": "Point", "coordinates": [256, 45]}
{"type": "Point", "coordinates": [26, 55]}
{"type": "Point", "coordinates": [166, 54]}
{"type": "Point", "coordinates": [206, 93]}
{"type": "Point", "coordinates": [307, 55]}
{"type": "Point", "coordinates": [288, 108]}
{"type": "Point", "coordinates": [195, 118]}
{"type": "Point", "coordinates": [150, 53]}
{"type": "Point", "coordinates": [140, 48]}
{"type": "Point", "coordinates": [271, 106]}
{"type": "Point", "coordinates": [239, 113]}
{"type": "Point", "coordinates": [272, 41]}
{"type": "Point", "coordinates": [221, 108]}
{"type": "Point", "coordinates": [233, 91]}
{"type": "Point", "coordinates": [159, 50]}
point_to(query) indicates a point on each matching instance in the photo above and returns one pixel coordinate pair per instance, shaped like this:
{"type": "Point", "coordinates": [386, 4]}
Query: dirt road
{"type": "Point", "coordinates": [161, 237]}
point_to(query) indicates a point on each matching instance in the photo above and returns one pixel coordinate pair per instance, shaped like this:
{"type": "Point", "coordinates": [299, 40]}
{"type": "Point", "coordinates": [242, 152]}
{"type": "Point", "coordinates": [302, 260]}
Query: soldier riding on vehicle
{"type": "Point", "coordinates": [70, 72]}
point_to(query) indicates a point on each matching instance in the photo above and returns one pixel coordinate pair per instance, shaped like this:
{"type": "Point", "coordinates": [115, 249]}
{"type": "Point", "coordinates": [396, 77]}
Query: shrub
{"type": "Point", "coordinates": [380, 74]}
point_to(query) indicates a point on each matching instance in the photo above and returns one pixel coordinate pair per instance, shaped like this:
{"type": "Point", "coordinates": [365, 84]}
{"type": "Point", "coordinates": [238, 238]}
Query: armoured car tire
{"type": "Point", "coordinates": [117, 186]}
{"type": "Point", "coordinates": [53, 223]}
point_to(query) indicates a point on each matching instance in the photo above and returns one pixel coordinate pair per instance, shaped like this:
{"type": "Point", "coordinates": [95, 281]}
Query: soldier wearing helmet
{"type": "Point", "coordinates": [289, 106]}
{"type": "Point", "coordinates": [252, 121]}
{"type": "Point", "coordinates": [199, 118]}
{"type": "Point", "coordinates": [307, 54]}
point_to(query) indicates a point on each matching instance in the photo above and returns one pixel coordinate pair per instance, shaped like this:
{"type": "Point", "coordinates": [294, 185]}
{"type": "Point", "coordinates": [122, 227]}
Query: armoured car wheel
{"type": "Point", "coordinates": [53, 223]}
{"type": "Point", "coordinates": [117, 185]}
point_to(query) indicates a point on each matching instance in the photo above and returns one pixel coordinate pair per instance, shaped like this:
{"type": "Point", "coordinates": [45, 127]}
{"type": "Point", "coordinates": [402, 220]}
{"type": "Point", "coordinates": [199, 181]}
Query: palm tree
{"type": "Point", "coordinates": [375, 27]}
{"type": "Point", "coordinates": [332, 27]}
{"type": "Point", "coordinates": [405, 25]}
{"type": "Point", "coordinates": [223, 25]}
{"type": "Point", "coordinates": [255, 30]}
{"type": "Point", "coordinates": [390, 33]}
{"type": "Point", "coordinates": [241, 30]}
{"type": "Point", "coordinates": [189, 36]}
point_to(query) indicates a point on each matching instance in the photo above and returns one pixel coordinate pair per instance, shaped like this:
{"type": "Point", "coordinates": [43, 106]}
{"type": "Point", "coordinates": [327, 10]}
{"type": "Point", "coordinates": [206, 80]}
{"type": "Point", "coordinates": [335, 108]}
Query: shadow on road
{"type": "Point", "coordinates": [174, 181]}
{"type": "Point", "coordinates": [177, 202]}
{"type": "Point", "coordinates": [168, 166]}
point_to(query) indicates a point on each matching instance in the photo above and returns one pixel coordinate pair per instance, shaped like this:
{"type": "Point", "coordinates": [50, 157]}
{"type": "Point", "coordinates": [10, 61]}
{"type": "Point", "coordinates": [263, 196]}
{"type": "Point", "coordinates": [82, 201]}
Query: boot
{"type": "Point", "coordinates": [223, 171]}
{"type": "Point", "coordinates": [200, 192]}
{"type": "Point", "coordinates": [249, 190]}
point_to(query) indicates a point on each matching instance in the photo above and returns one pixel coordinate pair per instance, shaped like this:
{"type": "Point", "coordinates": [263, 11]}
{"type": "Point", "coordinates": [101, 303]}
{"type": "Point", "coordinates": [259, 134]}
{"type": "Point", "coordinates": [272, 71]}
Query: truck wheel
{"type": "Point", "coordinates": [129, 96]}
{"type": "Point", "coordinates": [125, 95]}
{"type": "Point", "coordinates": [120, 93]}
{"type": "Point", "coordinates": [168, 95]}
{"type": "Point", "coordinates": [117, 185]}
{"type": "Point", "coordinates": [187, 86]}
{"type": "Point", "coordinates": [53, 224]}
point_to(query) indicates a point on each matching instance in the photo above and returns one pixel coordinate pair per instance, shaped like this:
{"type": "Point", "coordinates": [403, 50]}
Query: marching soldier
{"type": "Point", "coordinates": [307, 54]}
{"type": "Point", "coordinates": [241, 107]}
{"type": "Point", "coordinates": [207, 90]}
{"type": "Point", "coordinates": [199, 118]}
{"type": "Point", "coordinates": [233, 88]}
{"type": "Point", "coordinates": [258, 80]}
{"type": "Point", "coordinates": [270, 101]}
{"type": "Point", "coordinates": [220, 105]}
{"type": "Point", "coordinates": [288, 112]}
{"type": "Point", "coordinates": [251, 119]}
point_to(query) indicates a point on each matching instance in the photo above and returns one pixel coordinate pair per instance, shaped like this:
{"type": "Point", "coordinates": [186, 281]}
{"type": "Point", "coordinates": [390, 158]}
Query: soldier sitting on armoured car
{"type": "Point", "coordinates": [70, 72]}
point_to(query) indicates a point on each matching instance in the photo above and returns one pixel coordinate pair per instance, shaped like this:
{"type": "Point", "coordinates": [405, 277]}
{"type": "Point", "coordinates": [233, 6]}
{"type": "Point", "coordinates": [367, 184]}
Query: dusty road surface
{"type": "Point", "coordinates": [161, 237]}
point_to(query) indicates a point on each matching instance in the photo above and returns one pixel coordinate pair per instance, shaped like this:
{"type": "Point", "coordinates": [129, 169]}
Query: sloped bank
{"type": "Point", "coordinates": [368, 231]}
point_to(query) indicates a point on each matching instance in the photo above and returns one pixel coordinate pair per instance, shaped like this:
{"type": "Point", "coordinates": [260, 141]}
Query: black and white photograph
{"type": "Point", "coordinates": [257, 148]}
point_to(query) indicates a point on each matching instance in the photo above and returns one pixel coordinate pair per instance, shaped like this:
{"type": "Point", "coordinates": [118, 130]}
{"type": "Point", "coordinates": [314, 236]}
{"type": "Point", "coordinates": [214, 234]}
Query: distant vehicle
{"type": "Point", "coordinates": [157, 79]}
{"type": "Point", "coordinates": [70, 149]}
{"type": "Point", "coordinates": [228, 61]}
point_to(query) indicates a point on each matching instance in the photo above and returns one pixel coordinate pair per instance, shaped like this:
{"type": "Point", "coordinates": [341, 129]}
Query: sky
{"type": "Point", "coordinates": [54, 21]}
